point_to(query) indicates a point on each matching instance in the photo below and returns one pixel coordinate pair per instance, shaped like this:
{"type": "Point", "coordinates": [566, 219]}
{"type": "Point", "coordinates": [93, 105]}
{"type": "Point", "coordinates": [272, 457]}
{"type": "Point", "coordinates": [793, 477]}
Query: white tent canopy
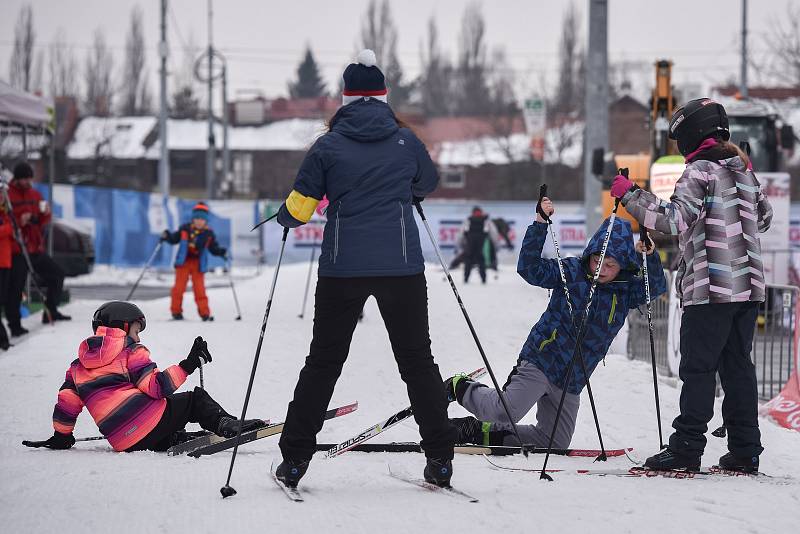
{"type": "Point", "coordinates": [23, 108]}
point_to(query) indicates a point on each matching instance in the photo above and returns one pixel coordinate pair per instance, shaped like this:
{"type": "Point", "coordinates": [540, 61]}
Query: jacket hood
{"type": "Point", "coordinates": [103, 347]}
{"type": "Point", "coordinates": [620, 246]}
{"type": "Point", "coordinates": [365, 120]}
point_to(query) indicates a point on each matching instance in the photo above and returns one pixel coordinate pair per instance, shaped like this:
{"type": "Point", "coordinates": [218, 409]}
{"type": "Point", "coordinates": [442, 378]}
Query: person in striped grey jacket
{"type": "Point", "coordinates": [717, 211]}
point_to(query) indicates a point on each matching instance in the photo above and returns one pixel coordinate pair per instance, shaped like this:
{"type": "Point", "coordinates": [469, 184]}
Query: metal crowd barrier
{"type": "Point", "coordinates": [774, 341]}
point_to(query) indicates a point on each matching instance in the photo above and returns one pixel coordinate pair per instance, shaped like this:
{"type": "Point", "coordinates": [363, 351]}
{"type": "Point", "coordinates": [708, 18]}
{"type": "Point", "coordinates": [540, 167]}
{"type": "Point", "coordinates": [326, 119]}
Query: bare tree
{"type": "Point", "coordinates": [133, 77]}
{"type": "Point", "coordinates": [37, 79]}
{"type": "Point", "coordinates": [568, 98]}
{"type": "Point", "coordinates": [783, 40]}
{"type": "Point", "coordinates": [98, 74]}
{"type": "Point", "coordinates": [379, 33]}
{"type": "Point", "coordinates": [63, 66]}
{"type": "Point", "coordinates": [185, 102]}
{"type": "Point", "coordinates": [435, 82]}
{"type": "Point", "coordinates": [473, 93]}
{"type": "Point", "coordinates": [21, 64]}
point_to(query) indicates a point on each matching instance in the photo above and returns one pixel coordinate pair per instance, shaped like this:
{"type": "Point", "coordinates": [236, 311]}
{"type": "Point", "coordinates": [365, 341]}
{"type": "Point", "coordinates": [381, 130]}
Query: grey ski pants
{"type": "Point", "coordinates": [527, 385]}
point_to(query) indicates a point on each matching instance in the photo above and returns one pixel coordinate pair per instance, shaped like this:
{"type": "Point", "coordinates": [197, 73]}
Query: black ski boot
{"type": "Point", "coordinates": [228, 427]}
{"type": "Point", "coordinates": [748, 464]}
{"type": "Point", "coordinates": [668, 460]}
{"type": "Point", "coordinates": [472, 431]}
{"type": "Point", "coordinates": [290, 472]}
{"type": "Point", "coordinates": [177, 317]}
{"type": "Point", "coordinates": [438, 471]}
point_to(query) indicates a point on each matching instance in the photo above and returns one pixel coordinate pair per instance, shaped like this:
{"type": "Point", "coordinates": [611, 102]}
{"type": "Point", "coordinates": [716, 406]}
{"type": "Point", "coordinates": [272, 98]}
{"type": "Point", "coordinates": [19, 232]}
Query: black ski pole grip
{"type": "Point", "coordinates": [644, 237]}
{"type": "Point", "coordinates": [418, 205]}
{"type": "Point", "coordinates": [539, 210]}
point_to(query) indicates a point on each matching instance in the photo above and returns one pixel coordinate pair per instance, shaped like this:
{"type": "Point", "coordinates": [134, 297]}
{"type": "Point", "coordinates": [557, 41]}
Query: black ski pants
{"type": "Point", "coordinates": [475, 258]}
{"type": "Point", "coordinates": [718, 338]}
{"type": "Point", "coordinates": [403, 304]}
{"type": "Point", "coordinates": [194, 406]}
{"type": "Point", "coordinates": [50, 275]}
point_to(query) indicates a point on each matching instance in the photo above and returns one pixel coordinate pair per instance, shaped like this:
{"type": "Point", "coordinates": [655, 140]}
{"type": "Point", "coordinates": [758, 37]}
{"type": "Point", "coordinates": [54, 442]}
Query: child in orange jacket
{"type": "Point", "coordinates": [195, 240]}
{"type": "Point", "coordinates": [133, 403]}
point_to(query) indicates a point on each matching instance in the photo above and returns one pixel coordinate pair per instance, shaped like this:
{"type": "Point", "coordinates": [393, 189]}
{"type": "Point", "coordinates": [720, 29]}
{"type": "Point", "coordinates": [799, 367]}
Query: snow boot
{"type": "Point", "coordinates": [290, 472]}
{"type": "Point", "coordinates": [206, 318]}
{"type": "Point", "coordinates": [474, 432]}
{"type": "Point", "coordinates": [748, 464]}
{"type": "Point", "coordinates": [456, 386]}
{"type": "Point", "coordinates": [669, 459]}
{"type": "Point", "coordinates": [438, 471]}
{"type": "Point", "coordinates": [228, 427]}
{"type": "Point", "coordinates": [177, 317]}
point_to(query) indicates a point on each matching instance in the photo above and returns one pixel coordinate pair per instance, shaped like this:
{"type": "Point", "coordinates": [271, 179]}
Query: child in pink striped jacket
{"type": "Point", "coordinates": [133, 403]}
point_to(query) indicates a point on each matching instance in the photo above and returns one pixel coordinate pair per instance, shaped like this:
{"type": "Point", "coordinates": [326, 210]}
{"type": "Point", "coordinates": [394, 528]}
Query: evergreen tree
{"type": "Point", "coordinates": [309, 83]}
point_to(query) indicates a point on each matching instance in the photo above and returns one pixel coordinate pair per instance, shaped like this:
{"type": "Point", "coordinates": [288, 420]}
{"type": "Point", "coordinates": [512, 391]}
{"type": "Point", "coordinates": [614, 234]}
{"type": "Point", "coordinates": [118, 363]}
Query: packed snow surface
{"type": "Point", "coordinates": [93, 489]}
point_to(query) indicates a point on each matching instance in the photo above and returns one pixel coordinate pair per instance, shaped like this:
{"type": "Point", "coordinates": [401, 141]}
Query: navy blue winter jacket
{"type": "Point", "coordinates": [551, 343]}
{"type": "Point", "coordinates": [369, 168]}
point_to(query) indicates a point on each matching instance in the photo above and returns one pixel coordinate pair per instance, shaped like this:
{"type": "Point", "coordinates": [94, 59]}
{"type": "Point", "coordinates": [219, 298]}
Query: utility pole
{"type": "Point", "coordinates": [211, 151]}
{"type": "Point", "coordinates": [596, 102]}
{"type": "Point", "coordinates": [743, 81]}
{"type": "Point", "coordinates": [163, 161]}
{"type": "Point", "coordinates": [226, 153]}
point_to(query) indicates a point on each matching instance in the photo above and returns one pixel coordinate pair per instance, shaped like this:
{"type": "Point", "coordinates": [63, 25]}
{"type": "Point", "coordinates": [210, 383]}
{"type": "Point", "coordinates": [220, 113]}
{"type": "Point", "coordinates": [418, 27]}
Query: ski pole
{"type": "Point", "coordinates": [20, 239]}
{"type": "Point", "coordinates": [227, 490]}
{"type": "Point", "coordinates": [471, 329]}
{"type": "Point", "coordinates": [233, 289]}
{"type": "Point", "coordinates": [308, 278]}
{"type": "Point", "coordinates": [579, 341]}
{"type": "Point", "coordinates": [144, 269]}
{"type": "Point", "coordinates": [93, 438]}
{"type": "Point", "coordinates": [579, 351]}
{"type": "Point", "coordinates": [202, 385]}
{"type": "Point", "coordinates": [645, 239]}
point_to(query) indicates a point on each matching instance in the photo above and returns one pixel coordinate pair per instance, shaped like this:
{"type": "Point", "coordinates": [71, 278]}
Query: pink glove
{"type": "Point", "coordinates": [322, 206]}
{"type": "Point", "coordinates": [620, 186]}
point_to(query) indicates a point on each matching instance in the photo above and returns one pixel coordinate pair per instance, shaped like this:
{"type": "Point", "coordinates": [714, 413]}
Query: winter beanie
{"type": "Point", "coordinates": [200, 211]}
{"type": "Point", "coordinates": [363, 79]}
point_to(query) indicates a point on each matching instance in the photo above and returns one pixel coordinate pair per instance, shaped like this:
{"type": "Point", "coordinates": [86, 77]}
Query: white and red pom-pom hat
{"type": "Point", "coordinates": [363, 79]}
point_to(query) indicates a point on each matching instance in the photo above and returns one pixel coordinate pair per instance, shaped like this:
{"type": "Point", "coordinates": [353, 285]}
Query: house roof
{"type": "Point", "coordinates": [113, 137]}
{"type": "Point", "coordinates": [293, 134]}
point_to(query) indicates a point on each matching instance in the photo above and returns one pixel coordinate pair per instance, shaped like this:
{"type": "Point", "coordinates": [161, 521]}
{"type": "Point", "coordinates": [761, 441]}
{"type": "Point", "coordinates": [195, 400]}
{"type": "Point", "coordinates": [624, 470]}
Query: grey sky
{"type": "Point", "coordinates": [264, 40]}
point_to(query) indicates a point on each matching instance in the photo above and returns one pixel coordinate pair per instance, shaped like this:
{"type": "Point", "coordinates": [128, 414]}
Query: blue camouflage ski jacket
{"type": "Point", "coordinates": [369, 168]}
{"type": "Point", "coordinates": [551, 343]}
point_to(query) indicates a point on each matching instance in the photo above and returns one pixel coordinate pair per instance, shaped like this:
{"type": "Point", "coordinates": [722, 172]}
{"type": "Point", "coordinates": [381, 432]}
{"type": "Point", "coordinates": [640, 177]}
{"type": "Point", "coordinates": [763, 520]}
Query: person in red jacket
{"type": "Point", "coordinates": [32, 214]}
{"type": "Point", "coordinates": [6, 243]}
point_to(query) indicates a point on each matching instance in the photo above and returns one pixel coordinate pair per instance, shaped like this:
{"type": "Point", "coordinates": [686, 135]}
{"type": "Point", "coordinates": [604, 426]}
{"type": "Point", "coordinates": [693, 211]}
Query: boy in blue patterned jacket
{"type": "Point", "coordinates": [540, 373]}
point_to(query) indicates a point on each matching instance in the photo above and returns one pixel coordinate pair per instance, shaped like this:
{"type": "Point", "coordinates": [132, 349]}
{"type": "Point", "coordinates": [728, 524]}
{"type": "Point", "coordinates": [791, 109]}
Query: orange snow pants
{"type": "Point", "coordinates": [190, 268]}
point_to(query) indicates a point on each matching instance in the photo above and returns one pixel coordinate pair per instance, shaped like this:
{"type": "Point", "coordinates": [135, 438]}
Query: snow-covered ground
{"type": "Point", "coordinates": [92, 489]}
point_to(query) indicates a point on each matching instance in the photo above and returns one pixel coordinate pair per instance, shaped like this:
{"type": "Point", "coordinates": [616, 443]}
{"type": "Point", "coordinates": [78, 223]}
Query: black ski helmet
{"type": "Point", "coordinates": [118, 314]}
{"type": "Point", "coordinates": [696, 121]}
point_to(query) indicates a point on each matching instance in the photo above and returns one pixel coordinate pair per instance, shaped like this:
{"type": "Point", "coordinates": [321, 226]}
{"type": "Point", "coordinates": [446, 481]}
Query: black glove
{"type": "Point", "coordinates": [164, 235]}
{"type": "Point", "coordinates": [223, 252]}
{"type": "Point", "coordinates": [59, 441]}
{"type": "Point", "coordinates": [197, 356]}
{"type": "Point", "coordinates": [417, 200]}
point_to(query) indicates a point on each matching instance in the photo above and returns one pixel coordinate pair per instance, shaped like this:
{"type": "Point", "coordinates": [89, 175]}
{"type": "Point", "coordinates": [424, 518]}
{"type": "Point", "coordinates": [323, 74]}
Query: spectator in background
{"type": "Point", "coordinates": [6, 242]}
{"type": "Point", "coordinates": [32, 214]}
{"type": "Point", "coordinates": [480, 235]}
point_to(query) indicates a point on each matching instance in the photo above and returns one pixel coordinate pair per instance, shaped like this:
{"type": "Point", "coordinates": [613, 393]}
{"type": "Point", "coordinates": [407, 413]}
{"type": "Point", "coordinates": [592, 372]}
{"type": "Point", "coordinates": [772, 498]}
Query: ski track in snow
{"type": "Point", "coordinates": [91, 488]}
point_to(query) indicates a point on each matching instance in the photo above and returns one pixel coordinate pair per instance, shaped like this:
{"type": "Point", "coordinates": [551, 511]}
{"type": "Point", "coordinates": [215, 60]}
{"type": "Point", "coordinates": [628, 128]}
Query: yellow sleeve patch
{"type": "Point", "coordinates": [300, 206]}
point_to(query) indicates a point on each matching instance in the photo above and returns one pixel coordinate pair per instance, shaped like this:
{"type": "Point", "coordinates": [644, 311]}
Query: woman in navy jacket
{"type": "Point", "coordinates": [372, 168]}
